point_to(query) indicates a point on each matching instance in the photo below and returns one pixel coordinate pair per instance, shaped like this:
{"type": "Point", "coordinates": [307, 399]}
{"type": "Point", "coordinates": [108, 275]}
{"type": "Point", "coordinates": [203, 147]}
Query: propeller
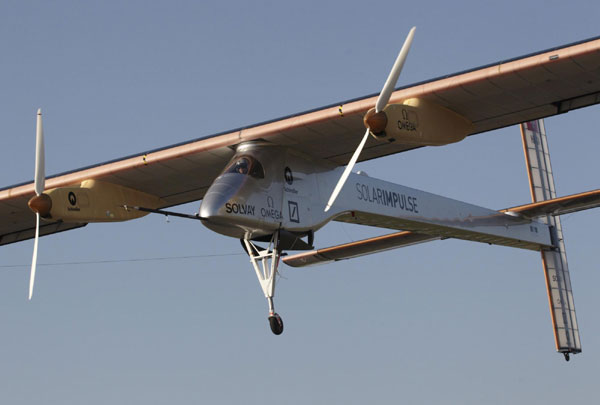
{"type": "Point", "coordinates": [41, 203]}
{"type": "Point", "coordinates": [375, 120]}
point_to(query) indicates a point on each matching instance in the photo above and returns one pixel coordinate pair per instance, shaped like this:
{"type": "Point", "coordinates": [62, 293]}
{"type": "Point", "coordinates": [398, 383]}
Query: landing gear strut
{"type": "Point", "coordinates": [265, 263]}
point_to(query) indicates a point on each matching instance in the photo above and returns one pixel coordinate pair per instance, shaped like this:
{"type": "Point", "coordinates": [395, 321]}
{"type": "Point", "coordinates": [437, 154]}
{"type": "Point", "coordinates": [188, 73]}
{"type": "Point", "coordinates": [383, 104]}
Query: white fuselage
{"type": "Point", "coordinates": [290, 191]}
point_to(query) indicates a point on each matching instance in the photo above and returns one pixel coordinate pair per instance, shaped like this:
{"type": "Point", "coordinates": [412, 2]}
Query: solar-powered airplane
{"type": "Point", "coordinates": [274, 184]}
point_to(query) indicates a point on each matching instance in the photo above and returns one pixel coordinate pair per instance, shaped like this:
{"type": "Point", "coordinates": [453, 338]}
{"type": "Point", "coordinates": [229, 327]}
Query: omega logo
{"type": "Point", "coordinates": [289, 178]}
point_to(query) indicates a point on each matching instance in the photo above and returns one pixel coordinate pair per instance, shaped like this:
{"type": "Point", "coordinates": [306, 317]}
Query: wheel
{"type": "Point", "coordinates": [567, 357]}
{"type": "Point", "coordinates": [276, 324]}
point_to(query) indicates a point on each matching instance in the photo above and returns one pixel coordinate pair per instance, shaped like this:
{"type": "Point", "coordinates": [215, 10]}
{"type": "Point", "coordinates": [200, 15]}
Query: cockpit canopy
{"type": "Point", "coordinates": [246, 165]}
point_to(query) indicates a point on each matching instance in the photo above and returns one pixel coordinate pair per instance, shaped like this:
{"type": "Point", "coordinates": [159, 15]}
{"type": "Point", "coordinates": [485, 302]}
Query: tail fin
{"type": "Point", "coordinates": [556, 269]}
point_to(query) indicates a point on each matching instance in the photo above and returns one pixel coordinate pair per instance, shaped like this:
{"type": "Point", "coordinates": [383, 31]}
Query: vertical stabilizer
{"type": "Point", "coordinates": [556, 269]}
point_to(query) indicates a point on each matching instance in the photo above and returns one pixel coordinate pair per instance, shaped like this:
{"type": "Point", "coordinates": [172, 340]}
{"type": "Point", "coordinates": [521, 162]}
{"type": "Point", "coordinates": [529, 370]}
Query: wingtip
{"type": "Point", "coordinates": [39, 111]}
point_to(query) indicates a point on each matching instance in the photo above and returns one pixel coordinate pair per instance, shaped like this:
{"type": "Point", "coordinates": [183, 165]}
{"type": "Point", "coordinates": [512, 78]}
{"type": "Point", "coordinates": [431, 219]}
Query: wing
{"type": "Point", "coordinates": [358, 248]}
{"type": "Point", "coordinates": [556, 206]}
{"type": "Point", "coordinates": [494, 96]}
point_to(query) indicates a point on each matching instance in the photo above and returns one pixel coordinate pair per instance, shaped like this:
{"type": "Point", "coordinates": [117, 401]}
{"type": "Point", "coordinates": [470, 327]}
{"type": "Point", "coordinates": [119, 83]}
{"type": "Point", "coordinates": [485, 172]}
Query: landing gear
{"type": "Point", "coordinates": [265, 263]}
{"type": "Point", "coordinates": [567, 356]}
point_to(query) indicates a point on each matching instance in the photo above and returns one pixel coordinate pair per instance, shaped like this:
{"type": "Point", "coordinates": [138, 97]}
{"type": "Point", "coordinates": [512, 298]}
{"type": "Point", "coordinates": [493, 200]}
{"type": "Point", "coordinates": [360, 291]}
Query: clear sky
{"type": "Point", "coordinates": [448, 322]}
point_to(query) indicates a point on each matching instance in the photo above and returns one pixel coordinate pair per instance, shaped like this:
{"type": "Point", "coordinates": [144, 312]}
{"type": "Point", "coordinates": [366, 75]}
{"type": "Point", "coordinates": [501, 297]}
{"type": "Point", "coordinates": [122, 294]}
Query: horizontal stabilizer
{"type": "Point", "coordinates": [559, 206]}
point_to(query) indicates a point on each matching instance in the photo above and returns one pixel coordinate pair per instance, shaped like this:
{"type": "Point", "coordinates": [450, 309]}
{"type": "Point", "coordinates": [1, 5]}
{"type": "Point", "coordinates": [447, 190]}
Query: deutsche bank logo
{"type": "Point", "coordinates": [294, 212]}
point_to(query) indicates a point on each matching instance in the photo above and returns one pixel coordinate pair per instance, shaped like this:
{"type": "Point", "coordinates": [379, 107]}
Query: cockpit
{"type": "Point", "coordinates": [246, 165]}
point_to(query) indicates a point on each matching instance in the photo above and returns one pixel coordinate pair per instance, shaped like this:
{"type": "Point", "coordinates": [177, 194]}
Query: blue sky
{"type": "Point", "coordinates": [446, 322]}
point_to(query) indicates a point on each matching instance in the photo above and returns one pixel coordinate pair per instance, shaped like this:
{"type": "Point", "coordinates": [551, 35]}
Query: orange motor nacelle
{"type": "Point", "coordinates": [92, 201]}
{"type": "Point", "coordinates": [418, 122]}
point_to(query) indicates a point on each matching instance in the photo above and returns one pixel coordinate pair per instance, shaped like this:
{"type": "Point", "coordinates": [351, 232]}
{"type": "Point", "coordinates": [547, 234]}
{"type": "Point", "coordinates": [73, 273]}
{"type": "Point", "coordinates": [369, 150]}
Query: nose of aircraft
{"type": "Point", "coordinates": [222, 190]}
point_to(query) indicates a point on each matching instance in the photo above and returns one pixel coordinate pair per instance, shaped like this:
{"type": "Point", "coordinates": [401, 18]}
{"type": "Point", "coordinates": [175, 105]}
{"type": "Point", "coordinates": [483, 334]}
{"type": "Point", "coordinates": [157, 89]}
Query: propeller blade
{"type": "Point", "coordinates": [39, 184]}
{"type": "Point", "coordinates": [390, 83]}
{"type": "Point", "coordinates": [382, 100]}
{"type": "Point", "coordinates": [34, 259]}
{"type": "Point", "coordinates": [342, 180]}
{"type": "Point", "coordinates": [40, 172]}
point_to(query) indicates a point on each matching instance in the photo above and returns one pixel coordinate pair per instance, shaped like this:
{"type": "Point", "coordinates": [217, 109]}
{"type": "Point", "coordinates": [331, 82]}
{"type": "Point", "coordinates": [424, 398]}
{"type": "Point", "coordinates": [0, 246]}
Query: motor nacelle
{"type": "Point", "coordinates": [95, 201]}
{"type": "Point", "coordinates": [418, 122]}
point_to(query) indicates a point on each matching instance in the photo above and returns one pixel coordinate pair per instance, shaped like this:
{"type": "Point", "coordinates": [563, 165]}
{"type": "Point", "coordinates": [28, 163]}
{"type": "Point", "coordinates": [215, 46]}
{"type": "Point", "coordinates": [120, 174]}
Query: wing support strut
{"type": "Point", "coordinates": [165, 213]}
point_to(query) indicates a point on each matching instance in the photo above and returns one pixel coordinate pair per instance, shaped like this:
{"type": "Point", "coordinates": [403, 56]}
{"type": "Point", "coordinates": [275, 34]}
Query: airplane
{"type": "Point", "coordinates": [273, 185]}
